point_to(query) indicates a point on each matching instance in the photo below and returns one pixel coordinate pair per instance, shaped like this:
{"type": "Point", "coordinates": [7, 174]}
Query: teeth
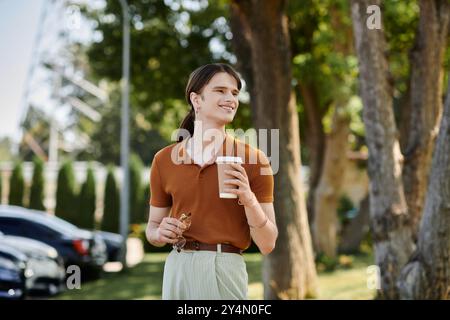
{"type": "Point", "coordinates": [227, 108]}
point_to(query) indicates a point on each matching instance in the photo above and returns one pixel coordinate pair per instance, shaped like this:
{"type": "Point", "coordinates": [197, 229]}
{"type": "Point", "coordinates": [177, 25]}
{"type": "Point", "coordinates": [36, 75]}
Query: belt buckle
{"type": "Point", "coordinates": [219, 248]}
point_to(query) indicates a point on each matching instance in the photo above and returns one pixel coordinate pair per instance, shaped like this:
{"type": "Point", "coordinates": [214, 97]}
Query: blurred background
{"type": "Point", "coordinates": [307, 71]}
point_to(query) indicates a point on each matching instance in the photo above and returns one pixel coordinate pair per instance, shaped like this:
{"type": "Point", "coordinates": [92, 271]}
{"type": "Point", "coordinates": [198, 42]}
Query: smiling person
{"type": "Point", "coordinates": [208, 262]}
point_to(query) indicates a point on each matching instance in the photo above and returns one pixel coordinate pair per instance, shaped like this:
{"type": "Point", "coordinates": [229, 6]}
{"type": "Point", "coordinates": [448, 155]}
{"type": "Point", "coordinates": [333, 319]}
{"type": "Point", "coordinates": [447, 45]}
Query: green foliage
{"type": "Point", "coordinates": [87, 202]}
{"type": "Point", "coordinates": [37, 186]}
{"type": "Point", "coordinates": [366, 245]}
{"type": "Point", "coordinates": [145, 206]}
{"type": "Point", "coordinates": [177, 44]}
{"type": "Point", "coordinates": [136, 189]}
{"type": "Point", "coordinates": [325, 263]}
{"type": "Point", "coordinates": [111, 207]}
{"type": "Point", "coordinates": [324, 63]}
{"type": "Point", "coordinates": [168, 41]}
{"type": "Point", "coordinates": [17, 186]}
{"type": "Point", "coordinates": [145, 141]}
{"type": "Point", "coordinates": [354, 108]}
{"type": "Point", "coordinates": [66, 207]}
{"type": "Point", "coordinates": [321, 54]}
{"type": "Point", "coordinates": [400, 19]}
{"type": "Point", "coordinates": [344, 207]}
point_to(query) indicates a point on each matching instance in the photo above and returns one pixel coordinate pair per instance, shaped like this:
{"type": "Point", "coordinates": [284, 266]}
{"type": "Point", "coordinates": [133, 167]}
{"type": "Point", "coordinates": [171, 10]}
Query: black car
{"type": "Point", "coordinates": [47, 272]}
{"type": "Point", "coordinates": [114, 245]}
{"type": "Point", "coordinates": [13, 273]}
{"type": "Point", "coordinates": [77, 247]}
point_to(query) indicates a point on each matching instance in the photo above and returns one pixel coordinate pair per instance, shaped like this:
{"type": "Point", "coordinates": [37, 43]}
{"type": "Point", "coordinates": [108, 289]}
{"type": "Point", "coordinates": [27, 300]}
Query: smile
{"type": "Point", "coordinates": [229, 109]}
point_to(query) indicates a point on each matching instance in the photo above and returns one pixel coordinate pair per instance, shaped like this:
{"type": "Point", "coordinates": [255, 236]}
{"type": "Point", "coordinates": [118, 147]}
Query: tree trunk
{"type": "Point", "coordinates": [356, 230]}
{"type": "Point", "coordinates": [388, 210]}
{"type": "Point", "coordinates": [241, 47]}
{"type": "Point", "coordinates": [404, 121]}
{"type": "Point", "coordinates": [295, 278]}
{"type": "Point", "coordinates": [315, 140]}
{"type": "Point", "coordinates": [425, 102]}
{"type": "Point", "coordinates": [427, 275]}
{"type": "Point", "coordinates": [331, 175]}
{"type": "Point", "coordinates": [328, 190]}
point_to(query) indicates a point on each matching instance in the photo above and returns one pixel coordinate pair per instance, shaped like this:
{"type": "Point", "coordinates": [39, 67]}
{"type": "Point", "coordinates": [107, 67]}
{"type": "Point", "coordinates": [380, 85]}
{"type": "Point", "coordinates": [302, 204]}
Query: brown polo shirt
{"type": "Point", "coordinates": [177, 182]}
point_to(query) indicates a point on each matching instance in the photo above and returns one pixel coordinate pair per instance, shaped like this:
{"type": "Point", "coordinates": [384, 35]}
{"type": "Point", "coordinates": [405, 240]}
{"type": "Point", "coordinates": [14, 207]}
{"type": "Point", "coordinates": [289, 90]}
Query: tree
{"type": "Point", "coordinates": [265, 26]}
{"type": "Point", "coordinates": [136, 190]}
{"type": "Point", "coordinates": [16, 186]}
{"type": "Point", "coordinates": [145, 203]}
{"type": "Point", "coordinates": [37, 185]}
{"type": "Point", "coordinates": [66, 207]}
{"type": "Point", "coordinates": [354, 232]}
{"type": "Point", "coordinates": [424, 103]}
{"type": "Point", "coordinates": [111, 206]}
{"type": "Point", "coordinates": [390, 222]}
{"type": "Point", "coordinates": [87, 202]}
{"type": "Point", "coordinates": [308, 72]}
{"type": "Point", "coordinates": [327, 192]}
{"type": "Point", "coordinates": [427, 274]}
{"type": "Point", "coordinates": [181, 37]}
{"type": "Point", "coordinates": [144, 140]}
{"type": "Point", "coordinates": [389, 214]}
{"type": "Point", "coordinates": [322, 48]}
{"type": "Point", "coordinates": [324, 74]}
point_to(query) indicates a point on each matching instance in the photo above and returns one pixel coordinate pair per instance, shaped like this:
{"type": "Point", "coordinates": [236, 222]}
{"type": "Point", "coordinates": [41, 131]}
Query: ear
{"type": "Point", "coordinates": [194, 99]}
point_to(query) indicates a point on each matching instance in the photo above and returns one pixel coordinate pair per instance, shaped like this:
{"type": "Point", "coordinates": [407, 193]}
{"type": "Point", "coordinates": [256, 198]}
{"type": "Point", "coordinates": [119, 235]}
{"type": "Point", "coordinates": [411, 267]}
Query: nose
{"type": "Point", "coordinates": [229, 96]}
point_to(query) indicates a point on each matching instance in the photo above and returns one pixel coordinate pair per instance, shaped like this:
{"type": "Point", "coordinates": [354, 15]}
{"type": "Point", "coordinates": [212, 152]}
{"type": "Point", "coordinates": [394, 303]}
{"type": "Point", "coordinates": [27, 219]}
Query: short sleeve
{"type": "Point", "coordinates": [158, 196]}
{"type": "Point", "coordinates": [261, 181]}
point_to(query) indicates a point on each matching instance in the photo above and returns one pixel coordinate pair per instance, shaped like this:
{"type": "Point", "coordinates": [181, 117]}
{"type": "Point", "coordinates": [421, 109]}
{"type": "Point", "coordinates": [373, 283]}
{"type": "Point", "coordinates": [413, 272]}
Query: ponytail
{"type": "Point", "coordinates": [187, 124]}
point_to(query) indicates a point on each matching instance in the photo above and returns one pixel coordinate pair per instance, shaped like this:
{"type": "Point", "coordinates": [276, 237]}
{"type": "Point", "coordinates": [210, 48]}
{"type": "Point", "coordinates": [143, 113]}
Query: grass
{"type": "Point", "coordinates": [144, 281]}
{"type": "Point", "coordinates": [347, 283]}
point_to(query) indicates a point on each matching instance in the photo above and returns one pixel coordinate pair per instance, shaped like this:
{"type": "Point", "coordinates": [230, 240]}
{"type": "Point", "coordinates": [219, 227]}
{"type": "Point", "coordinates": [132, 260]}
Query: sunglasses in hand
{"type": "Point", "coordinates": [186, 219]}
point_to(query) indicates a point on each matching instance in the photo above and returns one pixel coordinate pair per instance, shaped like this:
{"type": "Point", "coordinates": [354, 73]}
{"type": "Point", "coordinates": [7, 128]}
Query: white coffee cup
{"type": "Point", "coordinates": [223, 163]}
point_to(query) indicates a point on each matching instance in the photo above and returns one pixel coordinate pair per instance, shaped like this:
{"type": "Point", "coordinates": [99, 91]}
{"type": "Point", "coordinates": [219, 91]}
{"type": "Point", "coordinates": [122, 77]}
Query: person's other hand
{"type": "Point", "coordinates": [169, 230]}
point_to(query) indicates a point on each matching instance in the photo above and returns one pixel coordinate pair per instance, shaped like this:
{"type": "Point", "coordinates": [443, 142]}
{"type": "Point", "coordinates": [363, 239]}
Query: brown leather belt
{"type": "Point", "coordinates": [195, 245]}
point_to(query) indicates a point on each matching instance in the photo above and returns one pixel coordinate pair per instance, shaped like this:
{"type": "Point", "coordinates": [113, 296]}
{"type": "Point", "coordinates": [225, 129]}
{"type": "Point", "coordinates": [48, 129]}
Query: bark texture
{"type": "Point", "coordinates": [389, 216]}
{"type": "Point", "coordinates": [295, 277]}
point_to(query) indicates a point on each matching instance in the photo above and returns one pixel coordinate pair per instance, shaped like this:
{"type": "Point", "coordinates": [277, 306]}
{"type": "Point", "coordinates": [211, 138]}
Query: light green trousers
{"type": "Point", "coordinates": [204, 275]}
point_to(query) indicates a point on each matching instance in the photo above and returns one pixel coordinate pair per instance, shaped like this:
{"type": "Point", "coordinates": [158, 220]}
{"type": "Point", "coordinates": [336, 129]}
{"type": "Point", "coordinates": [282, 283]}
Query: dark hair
{"type": "Point", "coordinates": [198, 79]}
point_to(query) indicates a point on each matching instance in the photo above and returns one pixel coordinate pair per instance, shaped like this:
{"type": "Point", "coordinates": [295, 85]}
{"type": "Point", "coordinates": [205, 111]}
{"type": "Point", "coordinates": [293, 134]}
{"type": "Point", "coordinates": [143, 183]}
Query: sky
{"type": "Point", "coordinates": [19, 22]}
{"type": "Point", "coordinates": [18, 26]}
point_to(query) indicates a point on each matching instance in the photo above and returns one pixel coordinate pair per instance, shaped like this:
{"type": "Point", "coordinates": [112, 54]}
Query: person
{"type": "Point", "coordinates": [183, 180]}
